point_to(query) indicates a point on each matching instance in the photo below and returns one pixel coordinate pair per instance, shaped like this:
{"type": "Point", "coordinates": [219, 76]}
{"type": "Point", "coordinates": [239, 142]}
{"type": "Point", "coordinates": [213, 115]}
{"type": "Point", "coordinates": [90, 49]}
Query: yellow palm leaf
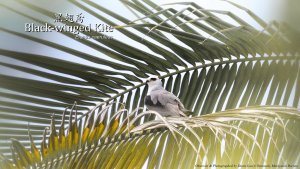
{"type": "Point", "coordinates": [87, 128]}
{"type": "Point", "coordinates": [24, 155]}
{"type": "Point", "coordinates": [16, 159]}
{"type": "Point", "coordinates": [35, 152]}
{"type": "Point", "coordinates": [75, 135]}
{"type": "Point", "coordinates": [5, 163]}
{"type": "Point", "coordinates": [100, 130]}
{"type": "Point", "coordinates": [53, 138]}
{"type": "Point", "coordinates": [44, 147]}
{"type": "Point", "coordinates": [61, 134]}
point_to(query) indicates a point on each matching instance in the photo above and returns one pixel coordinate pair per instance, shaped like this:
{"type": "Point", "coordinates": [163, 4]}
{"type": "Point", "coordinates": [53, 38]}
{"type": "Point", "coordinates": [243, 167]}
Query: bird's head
{"type": "Point", "coordinates": [153, 81]}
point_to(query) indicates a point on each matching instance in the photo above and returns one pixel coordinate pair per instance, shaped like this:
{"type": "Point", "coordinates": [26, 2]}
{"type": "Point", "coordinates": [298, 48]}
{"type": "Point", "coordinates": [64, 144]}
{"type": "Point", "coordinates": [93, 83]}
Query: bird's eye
{"type": "Point", "coordinates": [153, 79]}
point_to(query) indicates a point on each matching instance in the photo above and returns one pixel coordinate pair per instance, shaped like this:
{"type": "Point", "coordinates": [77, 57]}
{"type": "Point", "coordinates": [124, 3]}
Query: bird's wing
{"type": "Point", "coordinates": [164, 97]}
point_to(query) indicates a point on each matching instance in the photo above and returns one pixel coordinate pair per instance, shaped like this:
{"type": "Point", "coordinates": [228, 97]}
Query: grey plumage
{"type": "Point", "coordinates": [160, 100]}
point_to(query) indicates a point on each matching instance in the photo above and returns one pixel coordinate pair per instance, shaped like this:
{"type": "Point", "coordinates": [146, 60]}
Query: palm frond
{"type": "Point", "coordinates": [224, 65]}
{"type": "Point", "coordinates": [250, 136]}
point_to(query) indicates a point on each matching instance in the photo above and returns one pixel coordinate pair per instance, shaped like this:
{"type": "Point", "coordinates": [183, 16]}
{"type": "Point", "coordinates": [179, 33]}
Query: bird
{"type": "Point", "coordinates": [162, 101]}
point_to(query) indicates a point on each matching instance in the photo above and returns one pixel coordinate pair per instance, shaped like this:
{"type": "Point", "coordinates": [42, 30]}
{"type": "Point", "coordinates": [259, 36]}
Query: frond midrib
{"type": "Point", "coordinates": [211, 64]}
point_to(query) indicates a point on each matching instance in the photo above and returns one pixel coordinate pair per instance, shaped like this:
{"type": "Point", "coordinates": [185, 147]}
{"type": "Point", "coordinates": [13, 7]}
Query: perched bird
{"type": "Point", "coordinates": [160, 100]}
